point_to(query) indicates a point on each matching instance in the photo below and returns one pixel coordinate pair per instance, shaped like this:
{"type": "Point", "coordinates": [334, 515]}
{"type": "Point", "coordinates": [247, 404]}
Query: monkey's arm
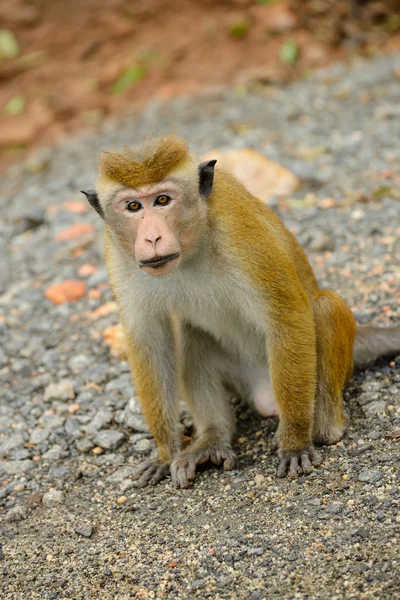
{"type": "Point", "coordinates": [152, 359]}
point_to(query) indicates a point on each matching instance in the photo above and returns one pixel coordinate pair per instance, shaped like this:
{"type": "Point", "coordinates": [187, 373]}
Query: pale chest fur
{"type": "Point", "coordinates": [225, 307]}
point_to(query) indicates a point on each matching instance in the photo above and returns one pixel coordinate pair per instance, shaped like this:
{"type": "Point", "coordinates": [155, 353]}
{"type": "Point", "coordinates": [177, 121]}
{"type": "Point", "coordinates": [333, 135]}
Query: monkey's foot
{"type": "Point", "coordinates": [183, 468]}
{"type": "Point", "coordinates": [297, 463]}
{"type": "Point", "coordinates": [150, 472]}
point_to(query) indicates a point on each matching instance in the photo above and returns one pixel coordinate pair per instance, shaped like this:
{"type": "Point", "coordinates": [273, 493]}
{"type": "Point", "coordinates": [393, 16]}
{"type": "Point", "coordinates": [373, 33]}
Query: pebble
{"type": "Point", "coordinates": [369, 475]}
{"type": "Point", "coordinates": [84, 530]}
{"type": "Point", "coordinates": [144, 445]}
{"type": "Point", "coordinates": [53, 453]}
{"type": "Point", "coordinates": [12, 442]}
{"type": "Point", "coordinates": [63, 390]}
{"type": "Point", "coordinates": [17, 513]}
{"type": "Point", "coordinates": [38, 435]}
{"type": "Point", "coordinates": [109, 439]}
{"type": "Point", "coordinates": [15, 467]}
{"type": "Point", "coordinates": [120, 474]}
{"type": "Point", "coordinates": [374, 408]}
{"type": "Point", "coordinates": [100, 420]}
{"type": "Point", "coordinates": [84, 444]}
{"type": "Point", "coordinates": [52, 498]}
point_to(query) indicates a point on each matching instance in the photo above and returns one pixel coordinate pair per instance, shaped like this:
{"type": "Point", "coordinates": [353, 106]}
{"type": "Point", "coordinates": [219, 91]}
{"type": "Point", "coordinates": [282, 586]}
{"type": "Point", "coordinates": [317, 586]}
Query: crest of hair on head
{"type": "Point", "coordinates": [147, 165]}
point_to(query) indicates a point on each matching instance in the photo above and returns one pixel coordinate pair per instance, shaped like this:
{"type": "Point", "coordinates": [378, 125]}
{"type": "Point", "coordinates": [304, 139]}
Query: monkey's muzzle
{"type": "Point", "coordinates": [156, 263]}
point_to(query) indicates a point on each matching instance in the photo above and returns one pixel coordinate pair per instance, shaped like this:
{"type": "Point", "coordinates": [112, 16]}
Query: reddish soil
{"type": "Point", "coordinates": [72, 52]}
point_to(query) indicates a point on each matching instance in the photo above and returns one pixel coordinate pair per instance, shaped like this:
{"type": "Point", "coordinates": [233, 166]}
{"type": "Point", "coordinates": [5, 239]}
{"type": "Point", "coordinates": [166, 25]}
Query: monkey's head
{"type": "Point", "coordinates": [153, 201]}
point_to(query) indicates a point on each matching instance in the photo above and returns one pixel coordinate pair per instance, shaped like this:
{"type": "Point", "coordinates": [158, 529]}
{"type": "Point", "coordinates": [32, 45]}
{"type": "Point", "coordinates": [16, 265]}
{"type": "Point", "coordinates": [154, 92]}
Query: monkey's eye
{"type": "Point", "coordinates": [162, 200]}
{"type": "Point", "coordinates": [133, 206]}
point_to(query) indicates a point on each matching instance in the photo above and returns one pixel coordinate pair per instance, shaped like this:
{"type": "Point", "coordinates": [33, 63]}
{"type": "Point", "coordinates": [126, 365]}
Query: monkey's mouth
{"type": "Point", "coordinates": [156, 263]}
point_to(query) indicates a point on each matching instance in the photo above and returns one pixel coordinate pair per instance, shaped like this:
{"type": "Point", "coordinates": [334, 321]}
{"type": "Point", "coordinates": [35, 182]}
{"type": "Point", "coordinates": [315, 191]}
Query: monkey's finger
{"type": "Point", "coordinates": [141, 469]}
{"type": "Point", "coordinates": [216, 458]}
{"type": "Point", "coordinates": [282, 467]}
{"type": "Point", "coordinates": [179, 477]}
{"type": "Point", "coordinates": [294, 466]}
{"type": "Point", "coordinates": [160, 473]}
{"type": "Point", "coordinates": [229, 463]}
{"type": "Point", "coordinates": [146, 477]}
{"type": "Point", "coordinates": [306, 464]}
{"type": "Point", "coordinates": [315, 457]}
{"type": "Point", "coordinates": [191, 470]}
{"type": "Point", "coordinates": [205, 458]}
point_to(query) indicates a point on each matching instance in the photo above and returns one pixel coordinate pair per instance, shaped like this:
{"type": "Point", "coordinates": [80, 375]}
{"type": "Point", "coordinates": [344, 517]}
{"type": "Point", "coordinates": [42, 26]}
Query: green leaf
{"type": "Point", "coordinates": [127, 79]}
{"type": "Point", "coordinates": [9, 47]}
{"type": "Point", "coordinates": [288, 53]}
{"type": "Point", "coordinates": [15, 106]}
{"type": "Point", "coordinates": [239, 29]}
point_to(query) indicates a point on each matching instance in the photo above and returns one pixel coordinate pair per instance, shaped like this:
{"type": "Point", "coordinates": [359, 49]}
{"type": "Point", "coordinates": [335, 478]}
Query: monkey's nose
{"type": "Point", "coordinates": [153, 240]}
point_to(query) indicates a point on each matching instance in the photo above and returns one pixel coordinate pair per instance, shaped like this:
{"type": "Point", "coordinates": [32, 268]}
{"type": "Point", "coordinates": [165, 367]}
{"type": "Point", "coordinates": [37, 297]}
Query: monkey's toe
{"type": "Point", "coordinates": [150, 472]}
{"type": "Point", "coordinates": [297, 463]}
{"type": "Point", "coordinates": [183, 469]}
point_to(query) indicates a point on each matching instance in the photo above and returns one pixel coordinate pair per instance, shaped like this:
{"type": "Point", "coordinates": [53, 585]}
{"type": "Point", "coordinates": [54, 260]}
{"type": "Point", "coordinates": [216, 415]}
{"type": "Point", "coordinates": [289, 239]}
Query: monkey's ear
{"type": "Point", "coordinates": [206, 172]}
{"type": "Point", "coordinates": [93, 199]}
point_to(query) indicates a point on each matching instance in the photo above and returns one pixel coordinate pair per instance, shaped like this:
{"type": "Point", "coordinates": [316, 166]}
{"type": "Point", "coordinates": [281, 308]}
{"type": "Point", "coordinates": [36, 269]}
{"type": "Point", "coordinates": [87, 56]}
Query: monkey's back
{"type": "Point", "coordinates": [261, 239]}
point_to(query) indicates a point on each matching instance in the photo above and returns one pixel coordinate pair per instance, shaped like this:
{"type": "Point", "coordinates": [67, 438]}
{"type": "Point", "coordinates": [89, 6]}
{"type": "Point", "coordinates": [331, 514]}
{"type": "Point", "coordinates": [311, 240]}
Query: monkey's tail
{"type": "Point", "coordinates": [372, 343]}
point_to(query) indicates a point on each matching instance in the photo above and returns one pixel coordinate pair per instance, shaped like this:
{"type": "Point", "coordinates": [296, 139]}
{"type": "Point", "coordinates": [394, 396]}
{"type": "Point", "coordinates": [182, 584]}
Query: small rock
{"type": "Point", "coordinates": [84, 530]}
{"type": "Point", "coordinates": [369, 475]}
{"type": "Point", "coordinates": [198, 583]}
{"type": "Point", "coordinates": [54, 453]}
{"type": "Point", "coordinates": [52, 498]}
{"type": "Point", "coordinates": [135, 422]}
{"type": "Point", "coordinates": [259, 479]}
{"type": "Point", "coordinates": [38, 435]}
{"type": "Point", "coordinates": [121, 474]}
{"type": "Point", "coordinates": [100, 420]}
{"type": "Point", "coordinates": [374, 408]}
{"type": "Point", "coordinates": [109, 439]}
{"type": "Point", "coordinates": [86, 270]}
{"type": "Point", "coordinates": [66, 291]}
{"type": "Point", "coordinates": [74, 232]}
{"type": "Point", "coordinates": [144, 445]}
{"type": "Point", "coordinates": [62, 390]}
{"type": "Point", "coordinates": [78, 363]}
{"type": "Point", "coordinates": [15, 467]}
{"type": "Point", "coordinates": [73, 427]}
{"type": "Point", "coordinates": [84, 445]}
{"type": "Point", "coordinates": [126, 484]}
{"type": "Point", "coordinates": [17, 513]}
{"type": "Point", "coordinates": [262, 177]}
{"type": "Point", "coordinates": [97, 451]}
{"type": "Point", "coordinates": [334, 509]}
{"type": "Point", "coordinates": [121, 500]}
{"type": "Point", "coordinates": [321, 242]}
{"type": "Point", "coordinates": [11, 443]}
{"type": "Point", "coordinates": [255, 551]}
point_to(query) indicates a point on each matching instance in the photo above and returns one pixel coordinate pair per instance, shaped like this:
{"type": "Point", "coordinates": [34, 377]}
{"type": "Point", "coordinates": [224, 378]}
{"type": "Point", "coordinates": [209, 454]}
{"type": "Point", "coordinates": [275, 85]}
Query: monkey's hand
{"type": "Point", "coordinates": [297, 463]}
{"type": "Point", "coordinates": [151, 472]}
{"type": "Point", "coordinates": [183, 468]}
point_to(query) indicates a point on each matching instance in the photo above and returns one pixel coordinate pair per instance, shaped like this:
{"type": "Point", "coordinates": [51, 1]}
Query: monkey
{"type": "Point", "coordinates": [215, 295]}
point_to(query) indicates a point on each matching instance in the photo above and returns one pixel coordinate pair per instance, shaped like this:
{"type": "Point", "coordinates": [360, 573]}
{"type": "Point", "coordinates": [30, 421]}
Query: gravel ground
{"type": "Point", "coordinates": [72, 523]}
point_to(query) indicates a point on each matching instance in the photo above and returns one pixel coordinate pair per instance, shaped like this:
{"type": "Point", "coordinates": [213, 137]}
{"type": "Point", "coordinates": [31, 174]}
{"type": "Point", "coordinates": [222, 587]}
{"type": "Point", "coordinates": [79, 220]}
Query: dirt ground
{"type": "Point", "coordinates": [71, 64]}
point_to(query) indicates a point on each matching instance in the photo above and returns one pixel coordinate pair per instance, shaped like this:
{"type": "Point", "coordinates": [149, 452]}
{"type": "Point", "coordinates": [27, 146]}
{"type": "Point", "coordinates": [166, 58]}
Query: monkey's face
{"type": "Point", "coordinates": [158, 224]}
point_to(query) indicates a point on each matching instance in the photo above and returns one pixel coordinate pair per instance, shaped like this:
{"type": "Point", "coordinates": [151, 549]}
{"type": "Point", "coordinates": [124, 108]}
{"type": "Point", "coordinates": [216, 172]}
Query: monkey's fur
{"type": "Point", "coordinates": [216, 294]}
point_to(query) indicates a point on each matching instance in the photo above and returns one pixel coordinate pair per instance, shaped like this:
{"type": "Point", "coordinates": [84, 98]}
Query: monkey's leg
{"type": "Point", "coordinates": [204, 367]}
{"type": "Point", "coordinates": [335, 332]}
{"type": "Point", "coordinates": [293, 369]}
{"type": "Point", "coordinates": [152, 359]}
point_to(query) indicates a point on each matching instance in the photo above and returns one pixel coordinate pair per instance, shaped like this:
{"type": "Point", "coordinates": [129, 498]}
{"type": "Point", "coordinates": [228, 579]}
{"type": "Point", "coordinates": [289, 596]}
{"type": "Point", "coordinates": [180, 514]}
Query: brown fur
{"type": "Point", "coordinates": [148, 165]}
